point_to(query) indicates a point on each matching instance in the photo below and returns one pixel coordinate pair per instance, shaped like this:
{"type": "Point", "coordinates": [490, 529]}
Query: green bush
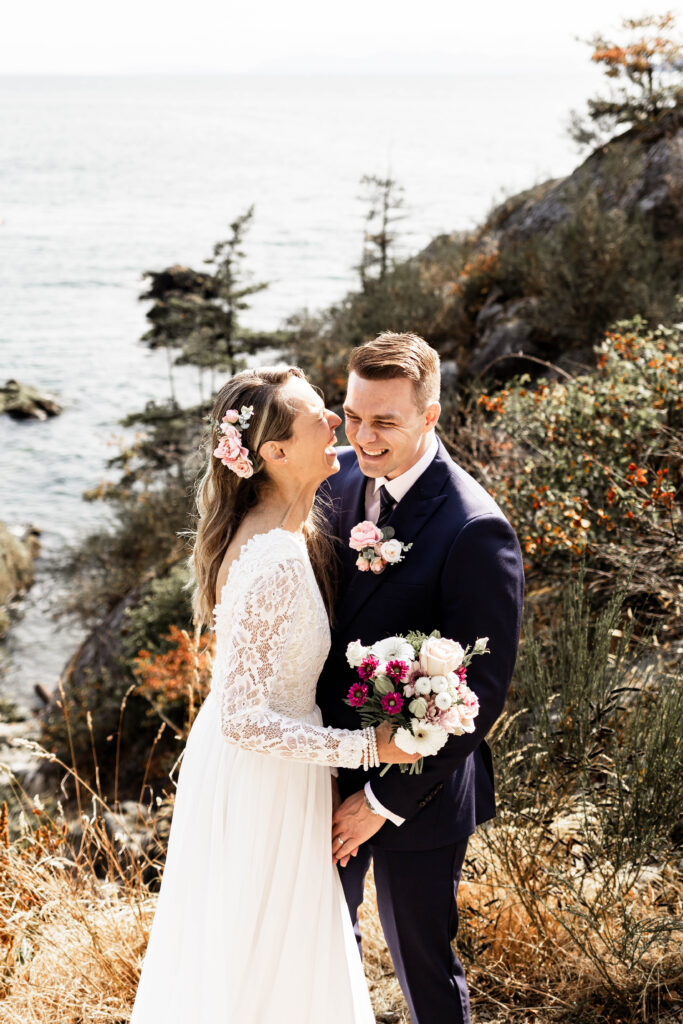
{"type": "Point", "coordinates": [165, 602]}
{"type": "Point", "coordinates": [592, 464]}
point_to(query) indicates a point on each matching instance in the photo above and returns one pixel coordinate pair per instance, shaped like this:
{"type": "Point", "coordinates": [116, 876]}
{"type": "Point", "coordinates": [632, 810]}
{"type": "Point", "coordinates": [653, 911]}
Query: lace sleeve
{"type": "Point", "coordinates": [262, 620]}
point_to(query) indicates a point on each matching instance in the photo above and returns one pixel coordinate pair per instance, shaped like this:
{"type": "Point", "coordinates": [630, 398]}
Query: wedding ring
{"type": "Point", "coordinates": [340, 840]}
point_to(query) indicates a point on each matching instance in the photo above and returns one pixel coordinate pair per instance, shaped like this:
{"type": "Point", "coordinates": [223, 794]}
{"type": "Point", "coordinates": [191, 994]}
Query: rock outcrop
{"type": "Point", "coordinates": [556, 264]}
{"type": "Point", "coordinates": [17, 556]}
{"type": "Point", "coordinates": [21, 401]}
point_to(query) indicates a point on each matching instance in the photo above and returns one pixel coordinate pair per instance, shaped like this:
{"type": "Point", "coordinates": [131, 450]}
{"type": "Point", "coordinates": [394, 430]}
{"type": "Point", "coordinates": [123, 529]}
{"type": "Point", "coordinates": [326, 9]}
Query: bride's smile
{"type": "Point", "coordinates": [308, 456]}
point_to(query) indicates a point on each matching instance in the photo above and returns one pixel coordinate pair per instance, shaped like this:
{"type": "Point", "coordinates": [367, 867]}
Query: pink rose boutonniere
{"type": "Point", "coordinates": [377, 547]}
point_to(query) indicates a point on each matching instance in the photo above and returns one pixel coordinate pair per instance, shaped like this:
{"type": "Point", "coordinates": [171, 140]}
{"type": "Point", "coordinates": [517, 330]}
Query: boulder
{"type": "Point", "coordinates": [21, 401]}
{"type": "Point", "coordinates": [17, 555]}
{"type": "Point", "coordinates": [505, 328]}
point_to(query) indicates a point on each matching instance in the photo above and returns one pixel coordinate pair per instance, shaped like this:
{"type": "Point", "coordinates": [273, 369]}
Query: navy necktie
{"type": "Point", "coordinates": [386, 506]}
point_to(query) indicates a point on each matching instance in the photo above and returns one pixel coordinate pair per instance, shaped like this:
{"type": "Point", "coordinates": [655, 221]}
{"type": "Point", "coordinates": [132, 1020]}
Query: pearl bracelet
{"type": "Point", "coordinates": [370, 756]}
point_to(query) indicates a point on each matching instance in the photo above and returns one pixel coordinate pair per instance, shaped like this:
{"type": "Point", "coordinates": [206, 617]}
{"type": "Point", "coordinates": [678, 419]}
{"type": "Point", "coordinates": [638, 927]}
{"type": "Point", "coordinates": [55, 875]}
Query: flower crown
{"type": "Point", "coordinates": [230, 450]}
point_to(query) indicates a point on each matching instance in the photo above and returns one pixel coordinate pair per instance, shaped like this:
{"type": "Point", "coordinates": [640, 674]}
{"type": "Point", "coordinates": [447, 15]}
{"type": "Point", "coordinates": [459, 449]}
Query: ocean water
{"type": "Point", "coordinates": [103, 178]}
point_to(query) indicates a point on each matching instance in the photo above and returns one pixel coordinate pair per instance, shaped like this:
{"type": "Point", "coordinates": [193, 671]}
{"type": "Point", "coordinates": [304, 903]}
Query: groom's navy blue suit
{"type": "Point", "coordinates": [462, 576]}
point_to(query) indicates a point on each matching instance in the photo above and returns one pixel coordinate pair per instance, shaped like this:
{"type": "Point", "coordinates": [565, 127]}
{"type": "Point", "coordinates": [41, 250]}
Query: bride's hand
{"type": "Point", "coordinates": [387, 751]}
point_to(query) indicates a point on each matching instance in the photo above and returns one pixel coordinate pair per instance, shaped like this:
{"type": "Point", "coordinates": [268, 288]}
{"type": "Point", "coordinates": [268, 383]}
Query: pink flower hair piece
{"type": "Point", "coordinates": [230, 449]}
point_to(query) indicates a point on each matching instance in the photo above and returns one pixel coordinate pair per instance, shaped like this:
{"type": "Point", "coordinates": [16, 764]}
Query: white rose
{"type": "Point", "coordinates": [425, 739]}
{"type": "Point", "coordinates": [480, 645]}
{"type": "Point", "coordinates": [418, 707]}
{"type": "Point", "coordinates": [439, 656]}
{"type": "Point", "coordinates": [355, 653]}
{"type": "Point", "coordinates": [443, 701]}
{"type": "Point", "coordinates": [391, 550]}
{"type": "Point", "coordinates": [439, 684]}
{"type": "Point", "coordinates": [423, 686]}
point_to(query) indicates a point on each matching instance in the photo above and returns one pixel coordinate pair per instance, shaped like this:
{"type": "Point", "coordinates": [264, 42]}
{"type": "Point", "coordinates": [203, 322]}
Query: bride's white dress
{"type": "Point", "coordinates": [251, 926]}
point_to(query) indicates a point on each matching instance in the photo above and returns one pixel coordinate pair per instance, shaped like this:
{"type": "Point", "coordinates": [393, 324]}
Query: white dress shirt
{"type": "Point", "coordinates": [397, 488]}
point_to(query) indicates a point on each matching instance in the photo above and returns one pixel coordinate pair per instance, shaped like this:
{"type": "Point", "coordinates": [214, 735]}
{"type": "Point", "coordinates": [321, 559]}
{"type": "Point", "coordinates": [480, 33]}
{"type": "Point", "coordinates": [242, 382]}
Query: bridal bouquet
{"type": "Point", "coordinates": [418, 684]}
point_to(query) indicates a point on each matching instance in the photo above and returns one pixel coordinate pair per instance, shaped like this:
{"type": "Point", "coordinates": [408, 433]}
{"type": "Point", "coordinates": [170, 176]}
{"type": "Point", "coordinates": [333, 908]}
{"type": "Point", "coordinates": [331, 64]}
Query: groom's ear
{"type": "Point", "coordinates": [431, 414]}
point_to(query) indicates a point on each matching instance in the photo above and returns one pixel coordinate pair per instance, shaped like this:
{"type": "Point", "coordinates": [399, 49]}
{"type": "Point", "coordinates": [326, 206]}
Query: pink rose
{"type": "Point", "coordinates": [242, 467]}
{"type": "Point", "coordinates": [364, 535]}
{"type": "Point", "coordinates": [222, 452]}
{"type": "Point", "coordinates": [439, 656]}
{"type": "Point", "coordinates": [231, 416]}
{"type": "Point", "coordinates": [229, 448]}
{"type": "Point", "coordinates": [232, 434]}
{"type": "Point", "coordinates": [362, 564]}
{"type": "Point", "coordinates": [378, 565]}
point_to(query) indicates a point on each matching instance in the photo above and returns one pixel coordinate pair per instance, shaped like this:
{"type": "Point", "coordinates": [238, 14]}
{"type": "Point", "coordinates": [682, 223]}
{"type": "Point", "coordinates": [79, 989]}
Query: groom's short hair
{"type": "Point", "coordinates": [400, 355]}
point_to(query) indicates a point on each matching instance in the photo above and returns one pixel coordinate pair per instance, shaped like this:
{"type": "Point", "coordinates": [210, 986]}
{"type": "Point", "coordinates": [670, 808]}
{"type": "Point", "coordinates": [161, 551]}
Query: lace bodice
{"type": "Point", "coordinates": [272, 638]}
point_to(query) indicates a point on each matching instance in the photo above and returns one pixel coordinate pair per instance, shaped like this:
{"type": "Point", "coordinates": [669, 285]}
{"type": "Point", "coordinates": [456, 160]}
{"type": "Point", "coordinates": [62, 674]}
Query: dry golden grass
{"type": "Point", "coordinates": [74, 924]}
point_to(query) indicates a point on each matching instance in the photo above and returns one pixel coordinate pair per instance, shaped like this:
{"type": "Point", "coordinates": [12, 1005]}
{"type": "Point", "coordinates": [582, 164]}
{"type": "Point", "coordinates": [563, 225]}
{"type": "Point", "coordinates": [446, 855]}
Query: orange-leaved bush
{"type": "Point", "coordinates": [179, 675]}
{"type": "Point", "coordinates": [593, 464]}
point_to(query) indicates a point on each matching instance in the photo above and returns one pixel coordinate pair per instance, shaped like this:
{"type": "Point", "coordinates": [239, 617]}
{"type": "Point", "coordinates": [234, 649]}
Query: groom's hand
{"type": "Point", "coordinates": [353, 823]}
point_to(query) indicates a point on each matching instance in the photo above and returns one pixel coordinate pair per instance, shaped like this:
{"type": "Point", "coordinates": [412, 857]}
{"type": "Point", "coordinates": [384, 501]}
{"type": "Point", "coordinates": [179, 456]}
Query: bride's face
{"type": "Point", "coordinates": [309, 452]}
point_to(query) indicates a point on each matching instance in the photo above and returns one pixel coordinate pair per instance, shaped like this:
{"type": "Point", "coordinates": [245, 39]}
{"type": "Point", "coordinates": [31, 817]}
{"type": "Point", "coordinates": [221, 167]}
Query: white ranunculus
{"type": "Point", "coordinates": [394, 648]}
{"type": "Point", "coordinates": [480, 645]}
{"type": "Point", "coordinates": [443, 700]}
{"type": "Point", "coordinates": [391, 550]}
{"type": "Point", "coordinates": [439, 684]}
{"type": "Point", "coordinates": [418, 707]}
{"type": "Point", "coordinates": [383, 685]}
{"type": "Point", "coordinates": [423, 686]}
{"type": "Point", "coordinates": [425, 739]}
{"type": "Point", "coordinates": [439, 656]}
{"type": "Point", "coordinates": [355, 653]}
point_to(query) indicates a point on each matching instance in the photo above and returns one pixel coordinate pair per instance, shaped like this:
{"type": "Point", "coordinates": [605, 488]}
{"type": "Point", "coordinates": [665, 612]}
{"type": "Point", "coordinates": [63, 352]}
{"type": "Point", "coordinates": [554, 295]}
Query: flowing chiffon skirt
{"type": "Point", "coordinates": [251, 926]}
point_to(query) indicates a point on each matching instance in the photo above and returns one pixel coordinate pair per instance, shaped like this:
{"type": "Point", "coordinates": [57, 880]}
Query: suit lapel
{"type": "Point", "coordinates": [352, 512]}
{"type": "Point", "coordinates": [408, 518]}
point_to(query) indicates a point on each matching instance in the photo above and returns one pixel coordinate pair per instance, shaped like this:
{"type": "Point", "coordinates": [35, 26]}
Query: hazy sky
{"type": "Point", "coordinates": [234, 36]}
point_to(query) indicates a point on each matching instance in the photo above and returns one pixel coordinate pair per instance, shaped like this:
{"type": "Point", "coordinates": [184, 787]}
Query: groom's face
{"type": "Point", "coordinates": [385, 426]}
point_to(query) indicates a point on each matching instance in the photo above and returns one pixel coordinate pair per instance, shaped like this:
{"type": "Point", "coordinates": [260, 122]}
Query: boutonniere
{"type": "Point", "coordinates": [377, 547]}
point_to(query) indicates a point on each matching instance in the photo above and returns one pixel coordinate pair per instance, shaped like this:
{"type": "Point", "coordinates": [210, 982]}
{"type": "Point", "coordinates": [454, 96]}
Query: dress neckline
{"type": "Point", "coordinates": [294, 534]}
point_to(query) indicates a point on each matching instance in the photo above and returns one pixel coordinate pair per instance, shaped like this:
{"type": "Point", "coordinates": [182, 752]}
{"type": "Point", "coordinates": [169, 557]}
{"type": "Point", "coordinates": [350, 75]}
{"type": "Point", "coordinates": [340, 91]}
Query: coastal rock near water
{"type": "Point", "coordinates": [17, 556]}
{"type": "Point", "coordinates": [21, 401]}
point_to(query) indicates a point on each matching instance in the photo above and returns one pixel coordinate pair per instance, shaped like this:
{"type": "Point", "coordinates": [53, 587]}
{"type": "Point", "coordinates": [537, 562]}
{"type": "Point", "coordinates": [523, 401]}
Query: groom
{"type": "Point", "coordinates": [463, 576]}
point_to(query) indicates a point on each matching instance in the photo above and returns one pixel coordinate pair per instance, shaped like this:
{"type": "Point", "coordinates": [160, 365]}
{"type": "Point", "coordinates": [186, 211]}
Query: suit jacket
{"type": "Point", "coordinates": [464, 577]}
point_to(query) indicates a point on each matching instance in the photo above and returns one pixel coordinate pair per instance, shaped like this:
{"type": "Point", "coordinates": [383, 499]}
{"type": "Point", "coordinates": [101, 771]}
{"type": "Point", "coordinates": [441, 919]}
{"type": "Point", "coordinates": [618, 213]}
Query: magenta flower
{"type": "Point", "coordinates": [358, 694]}
{"type": "Point", "coordinates": [392, 703]}
{"type": "Point", "coordinates": [461, 673]}
{"type": "Point", "coordinates": [368, 666]}
{"type": "Point", "coordinates": [397, 670]}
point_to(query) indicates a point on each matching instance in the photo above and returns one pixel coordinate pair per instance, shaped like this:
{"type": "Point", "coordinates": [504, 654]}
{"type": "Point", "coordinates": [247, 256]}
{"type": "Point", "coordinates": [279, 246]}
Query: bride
{"type": "Point", "coordinates": [251, 926]}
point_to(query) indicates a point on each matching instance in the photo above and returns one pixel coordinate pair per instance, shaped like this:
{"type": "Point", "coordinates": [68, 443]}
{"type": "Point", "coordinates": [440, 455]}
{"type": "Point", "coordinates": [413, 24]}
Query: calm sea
{"type": "Point", "coordinates": [102, 178]}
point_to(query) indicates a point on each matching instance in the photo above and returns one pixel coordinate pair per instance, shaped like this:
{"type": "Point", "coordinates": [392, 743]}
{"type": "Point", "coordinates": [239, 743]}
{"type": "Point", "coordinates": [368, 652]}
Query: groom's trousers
{"type": "Point", "coordinates": [416, 897]}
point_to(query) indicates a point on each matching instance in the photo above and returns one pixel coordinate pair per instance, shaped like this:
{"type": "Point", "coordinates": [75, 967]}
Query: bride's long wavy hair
{"type": "Point", "coordinates": [224, 499]}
